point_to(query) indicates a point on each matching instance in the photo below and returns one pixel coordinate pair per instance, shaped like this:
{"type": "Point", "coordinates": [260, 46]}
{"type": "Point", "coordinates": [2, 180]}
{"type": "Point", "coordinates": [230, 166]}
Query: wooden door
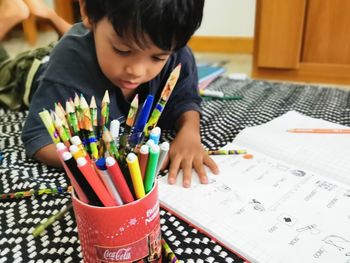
{"type": "Point", "coordinates": [280, 32]}
{"type": "Point", "coordinates": [327, 32]}
{"type": "Point", "coordinates": [302, 40]}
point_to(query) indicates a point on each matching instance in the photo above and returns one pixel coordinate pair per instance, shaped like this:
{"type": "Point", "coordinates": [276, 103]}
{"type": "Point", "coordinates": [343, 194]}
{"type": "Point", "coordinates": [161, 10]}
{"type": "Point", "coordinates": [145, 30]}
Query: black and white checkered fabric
{"type": "Point", "coordinates": [221, 122]}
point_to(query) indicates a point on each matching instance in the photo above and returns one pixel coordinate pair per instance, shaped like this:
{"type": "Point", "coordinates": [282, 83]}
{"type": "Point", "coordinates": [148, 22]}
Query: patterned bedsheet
{"type": "Point", "coordinates": [221, 122]}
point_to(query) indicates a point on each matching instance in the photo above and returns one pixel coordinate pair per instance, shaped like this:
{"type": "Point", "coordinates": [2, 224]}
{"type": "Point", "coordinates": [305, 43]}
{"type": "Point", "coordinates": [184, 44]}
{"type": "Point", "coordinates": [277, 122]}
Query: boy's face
{"type": "Point", "coordinates": [122, 62]}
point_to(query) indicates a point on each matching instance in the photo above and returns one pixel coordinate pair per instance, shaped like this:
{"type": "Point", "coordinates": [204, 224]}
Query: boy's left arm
{"type": "Point", "coordinates": [186, 151]}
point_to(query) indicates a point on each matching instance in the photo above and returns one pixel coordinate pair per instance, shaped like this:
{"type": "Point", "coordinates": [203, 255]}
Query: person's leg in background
{"type": "Point", "coordinates": [11, 13]}
{"type": "Point", "coordinates": [16, 74]}
{"type": "Point", "coordinates": [39, 9]}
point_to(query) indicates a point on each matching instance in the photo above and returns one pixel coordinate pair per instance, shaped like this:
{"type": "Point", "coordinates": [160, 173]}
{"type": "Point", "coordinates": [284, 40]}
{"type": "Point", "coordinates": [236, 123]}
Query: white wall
{"type": "Point", "coordinates": [233, 18]}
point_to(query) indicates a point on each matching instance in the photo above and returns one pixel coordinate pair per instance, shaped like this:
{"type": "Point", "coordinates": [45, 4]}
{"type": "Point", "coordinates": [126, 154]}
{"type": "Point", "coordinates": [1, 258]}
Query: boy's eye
{"type": "Point", "coordinates": [122, 52]}
{"type": "Point", "coordinates": [158, 58]}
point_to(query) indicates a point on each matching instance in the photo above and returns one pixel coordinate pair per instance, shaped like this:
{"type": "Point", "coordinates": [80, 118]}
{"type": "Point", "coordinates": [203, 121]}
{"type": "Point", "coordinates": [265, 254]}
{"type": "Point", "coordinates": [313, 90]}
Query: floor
{"type": "Point", "coordinates": [236, 64]}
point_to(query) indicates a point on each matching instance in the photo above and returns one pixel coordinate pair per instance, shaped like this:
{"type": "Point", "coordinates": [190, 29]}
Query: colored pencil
{"type": "Point", "coordinates": [135, 174]}
{"type": "Point", "coordinates": [168, 253]}
{"type": "Point", "coordinates": [50, 127]}
{"type": "Point", "coordinates": [42, 226]}
{"type": "Point", "coordinates": [151, 167]}
{"type": "Point", "coordinates": [61, 113]}
{"type": "Point", "coordinates": [105, 109]}
{"type": "Point", "coordinates": [226, 152]}
{"type": "Point", "coordinates": [143, 159]}
{"type": "Point", "coordinates": [72, 117]}
{"type": "Point", "coordinates": [93, 114]}
{"type": "Point", "coordinates": [35, 192]}
{"type": "Point", "coordinates": [119, 180]}
{"type": "Point", "coordinates": [164, 96]}
{"type": "Point", "coordinates": [316, 130]}
{"type": "Point", "coordinates": [164, 149]}
{"type": "Point", "coordinates": [215, 94]}
{"type": "Point", "coordinates": [132, 113]}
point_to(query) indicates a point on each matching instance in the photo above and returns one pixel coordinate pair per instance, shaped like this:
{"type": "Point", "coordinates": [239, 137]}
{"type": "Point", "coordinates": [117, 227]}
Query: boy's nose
{"type": "Point", "coordinates": [135, 70]}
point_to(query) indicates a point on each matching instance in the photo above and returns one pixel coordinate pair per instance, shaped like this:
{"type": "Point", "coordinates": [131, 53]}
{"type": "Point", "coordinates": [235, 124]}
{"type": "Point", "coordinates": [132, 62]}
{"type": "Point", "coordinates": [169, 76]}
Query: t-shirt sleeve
{"type": "Point", "coordinates": [34, 133]}
{"type": "Point", "coordinates": [185, 96]}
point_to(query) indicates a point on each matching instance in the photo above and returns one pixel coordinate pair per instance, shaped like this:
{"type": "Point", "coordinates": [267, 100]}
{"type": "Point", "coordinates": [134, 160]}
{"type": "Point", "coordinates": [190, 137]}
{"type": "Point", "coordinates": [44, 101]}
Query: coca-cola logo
{"type": "Point", "coordinates": [129, 252]}
{"type": "Point", "coordinates": [120, 254]}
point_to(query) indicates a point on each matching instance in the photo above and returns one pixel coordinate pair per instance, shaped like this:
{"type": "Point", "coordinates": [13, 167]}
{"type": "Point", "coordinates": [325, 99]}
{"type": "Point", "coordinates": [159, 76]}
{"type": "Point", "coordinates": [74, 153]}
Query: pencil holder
{"type": "Point", "coordinates": [126, 233]}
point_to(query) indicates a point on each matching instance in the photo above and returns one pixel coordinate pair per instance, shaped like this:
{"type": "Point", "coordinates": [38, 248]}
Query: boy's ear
{"type": "Point", "coordinates": [84, 18]}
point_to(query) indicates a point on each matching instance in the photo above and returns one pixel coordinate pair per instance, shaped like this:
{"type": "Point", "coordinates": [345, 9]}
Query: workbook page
{"type": "Point", "coordinates": [266, 210]}
{"type": "Point", "coordinates": [324, 154]}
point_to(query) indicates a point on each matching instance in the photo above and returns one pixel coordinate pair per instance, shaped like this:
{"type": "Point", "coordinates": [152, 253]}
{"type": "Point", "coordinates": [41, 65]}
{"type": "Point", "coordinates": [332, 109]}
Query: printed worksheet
{"type": "Point", "coordinates": [268, 210]}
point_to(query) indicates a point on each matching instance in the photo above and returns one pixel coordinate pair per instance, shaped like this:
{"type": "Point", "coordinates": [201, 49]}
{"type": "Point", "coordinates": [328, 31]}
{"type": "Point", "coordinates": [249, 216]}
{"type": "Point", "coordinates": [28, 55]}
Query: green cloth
{"type": "Point", "coordinates": [3, 54]}
{"type": "Point", "coordinates": [16, 75]}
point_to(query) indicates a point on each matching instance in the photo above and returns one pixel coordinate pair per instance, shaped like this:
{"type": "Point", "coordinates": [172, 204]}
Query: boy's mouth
{"type": "Point", "coordinates": [128, 84]}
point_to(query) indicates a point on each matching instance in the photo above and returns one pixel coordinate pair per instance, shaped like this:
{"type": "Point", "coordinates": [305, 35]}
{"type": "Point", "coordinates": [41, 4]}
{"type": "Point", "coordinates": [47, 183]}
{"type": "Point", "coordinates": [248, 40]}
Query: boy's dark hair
{"type": "Point", "coordinates": [168, 23]}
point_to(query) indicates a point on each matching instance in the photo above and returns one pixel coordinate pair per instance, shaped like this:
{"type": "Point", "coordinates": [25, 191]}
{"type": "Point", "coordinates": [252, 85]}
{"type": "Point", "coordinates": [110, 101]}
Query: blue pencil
{"type": "Point", "coordinates": [144, 114]}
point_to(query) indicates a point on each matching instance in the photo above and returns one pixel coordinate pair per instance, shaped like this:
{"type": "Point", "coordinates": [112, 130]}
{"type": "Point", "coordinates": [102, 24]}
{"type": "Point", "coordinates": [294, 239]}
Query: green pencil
{"type": "Point", "coordinates": [42, 226]}
{"type": "Point", "coordinates": [29, 193]}
{"type": "Point", "coordinates": [151, 167]}
{"type": "Point", "coordinates": [169, 254]}
{"type": "Point", "coordinates": [222, 98]}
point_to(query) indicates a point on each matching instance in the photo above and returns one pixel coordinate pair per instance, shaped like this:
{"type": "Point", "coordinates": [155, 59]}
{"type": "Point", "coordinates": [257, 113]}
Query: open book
{"type": "Point", "coordinates": [289, 203]}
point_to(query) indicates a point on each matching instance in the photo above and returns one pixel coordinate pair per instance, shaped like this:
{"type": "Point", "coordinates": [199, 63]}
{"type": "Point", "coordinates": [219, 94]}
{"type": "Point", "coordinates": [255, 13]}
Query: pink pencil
{"type": "Point", "coordinates": [301, 130]}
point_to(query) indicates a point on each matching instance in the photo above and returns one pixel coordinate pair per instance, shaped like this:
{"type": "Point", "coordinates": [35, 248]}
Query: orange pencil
{"type": "Point", "coordinates": [301, 130]}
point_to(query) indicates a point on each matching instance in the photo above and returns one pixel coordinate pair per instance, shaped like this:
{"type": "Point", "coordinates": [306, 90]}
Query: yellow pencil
{"type": "Point", "coordinates": [48, 122]}
{"type": "Point", "coordinates": [135, 173]}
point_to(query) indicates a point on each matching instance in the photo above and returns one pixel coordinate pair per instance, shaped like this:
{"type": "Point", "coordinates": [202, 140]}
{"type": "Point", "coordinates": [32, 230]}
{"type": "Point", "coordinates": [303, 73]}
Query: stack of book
{"type": "Point", "coordinates": [207, 74]}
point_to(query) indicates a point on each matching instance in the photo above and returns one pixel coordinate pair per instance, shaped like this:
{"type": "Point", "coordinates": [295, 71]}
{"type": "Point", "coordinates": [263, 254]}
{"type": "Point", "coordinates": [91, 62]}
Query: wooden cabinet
{"type": "Point", "coordinates": [302, 40]}
{"type": "Point", "coordinates": [64, 8]}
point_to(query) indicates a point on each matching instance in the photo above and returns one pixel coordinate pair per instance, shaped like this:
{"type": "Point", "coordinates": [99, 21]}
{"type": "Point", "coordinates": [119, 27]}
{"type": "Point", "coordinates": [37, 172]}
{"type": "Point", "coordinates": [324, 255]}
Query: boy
{"type": "Point", "coordinates": [127, 47]}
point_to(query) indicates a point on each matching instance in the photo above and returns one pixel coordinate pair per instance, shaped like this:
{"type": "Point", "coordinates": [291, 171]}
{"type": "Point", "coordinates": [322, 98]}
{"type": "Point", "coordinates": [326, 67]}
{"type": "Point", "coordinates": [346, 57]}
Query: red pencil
{"type": "Point", "coordinates": [94, 180]}
{"type": "Point", "coordinates": [119, 180]}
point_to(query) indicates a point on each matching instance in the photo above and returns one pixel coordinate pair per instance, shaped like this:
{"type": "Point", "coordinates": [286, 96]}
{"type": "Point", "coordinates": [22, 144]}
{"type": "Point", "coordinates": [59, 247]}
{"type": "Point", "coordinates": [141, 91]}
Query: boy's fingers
{"type": "Point", "coordinates": [211, 164]}
{"type": "Point", "coordinates": [173, 170]}
{"type": "Point", "coordinates": [187, 172]}
{"type": "Point", "coordinates": [202, 174]}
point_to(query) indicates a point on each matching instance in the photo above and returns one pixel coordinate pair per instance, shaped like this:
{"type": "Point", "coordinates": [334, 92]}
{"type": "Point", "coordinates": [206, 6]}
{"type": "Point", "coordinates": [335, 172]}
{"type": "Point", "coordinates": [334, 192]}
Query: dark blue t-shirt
{"type": "Point", "coordinates": [73, 68]}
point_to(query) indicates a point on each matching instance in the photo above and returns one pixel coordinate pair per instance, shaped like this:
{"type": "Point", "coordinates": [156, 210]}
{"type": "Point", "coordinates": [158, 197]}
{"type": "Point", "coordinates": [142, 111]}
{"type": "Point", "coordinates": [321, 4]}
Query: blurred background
{"type": "Point", "coordinates": [291, 40]}
{"type": "Point", "coordinates": [225, 37]}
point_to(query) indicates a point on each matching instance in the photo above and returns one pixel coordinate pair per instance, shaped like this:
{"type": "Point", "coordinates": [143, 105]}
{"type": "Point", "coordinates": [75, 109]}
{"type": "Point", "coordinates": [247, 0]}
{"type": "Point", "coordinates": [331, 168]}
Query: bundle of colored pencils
{"type": "Point", "coordinates": [107, 167]}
